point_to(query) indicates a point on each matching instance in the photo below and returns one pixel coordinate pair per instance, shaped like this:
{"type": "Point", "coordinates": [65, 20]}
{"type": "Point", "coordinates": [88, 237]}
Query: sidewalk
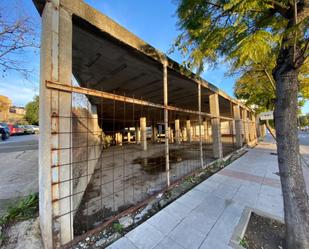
{"type": "Point", "coordinates": [206, 216]}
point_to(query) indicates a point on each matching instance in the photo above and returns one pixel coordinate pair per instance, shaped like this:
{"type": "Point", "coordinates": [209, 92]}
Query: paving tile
{"type": "Point", "coordinates": [247, 194]}
{"type": "Point", "coordinates": [212, 243]}
{"type": "Point", "coordinates": [122, 243]}
{"type": "Point", "coordinates": [211, 206]}
{"type": "Point", "coordinates": [207, 186]}
{"type": "Point", "coordinates": [187, 236]}
{"type": "Point", "coordinates": [177, 209]}
{"type": "Point", "coordinates": [201, 222]}
{"type": "Point", "coordinates": [224, 227]}
{"type": "Point", "coordinates": [192, 198]}
{"type": "Point", "coordinates": [168, 243]}
{"type": "Point", "coordinates": [145, 236]}
{"type": "Point", "coordinates": [164, 221]}
{"type": "Point", "coordinates": [226, 191]}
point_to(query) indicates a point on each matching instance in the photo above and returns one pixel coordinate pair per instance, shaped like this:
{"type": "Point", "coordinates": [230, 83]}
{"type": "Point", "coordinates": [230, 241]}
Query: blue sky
{"type": "Point", "coordinates": [154, 21]}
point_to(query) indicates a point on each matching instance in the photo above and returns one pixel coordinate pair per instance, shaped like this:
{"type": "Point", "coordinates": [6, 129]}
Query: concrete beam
{"type": "Point", "coordinates": [216, 126]}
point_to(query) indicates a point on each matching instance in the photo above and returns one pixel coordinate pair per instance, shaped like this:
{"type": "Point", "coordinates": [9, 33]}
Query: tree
{"type": "Point", "coordinates": [16, 36]}
{"type": "Point", "coordinates": [245, 32]}
{"type": "Point", "coordinates": [32, 111]}
{"type": "Point", "coordinates": [257, 88]}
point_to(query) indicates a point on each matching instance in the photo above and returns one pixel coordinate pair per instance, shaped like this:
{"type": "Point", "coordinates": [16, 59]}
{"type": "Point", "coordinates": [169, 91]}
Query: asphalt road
{"type": "Point", "coordinates": [19, 143]}
{"type": "Point", "coordinates": [18, 167]}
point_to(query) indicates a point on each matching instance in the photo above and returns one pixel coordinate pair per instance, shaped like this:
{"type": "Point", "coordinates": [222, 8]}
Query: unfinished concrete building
{"type": "Point", "coordinates": [119, 121]}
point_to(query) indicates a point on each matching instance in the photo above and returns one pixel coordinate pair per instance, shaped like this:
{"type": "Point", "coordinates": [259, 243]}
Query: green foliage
{"type": "Point", "coordinates": [243, 242]}
{"type": "Point", "coordinates": [246, 33]}
{"type": "Point", "coordinates": [32, 111]}
{"type": "Point", "coordinates": [118, 227]}
{"type": "Point", "coordinates": [26, 208]}
{"type": "Point", "coordinates": [304, 120]}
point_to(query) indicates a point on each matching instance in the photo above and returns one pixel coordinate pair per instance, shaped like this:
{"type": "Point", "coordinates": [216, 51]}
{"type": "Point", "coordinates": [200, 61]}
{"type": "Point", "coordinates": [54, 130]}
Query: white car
{"type": "Point", "coordinates": [36, 128]}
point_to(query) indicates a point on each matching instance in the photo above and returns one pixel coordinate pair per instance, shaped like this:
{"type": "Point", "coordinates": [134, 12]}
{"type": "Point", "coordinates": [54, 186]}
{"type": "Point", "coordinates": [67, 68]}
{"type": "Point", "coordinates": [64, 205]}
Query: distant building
{"type": "Point", "coordinates": [5, 104]}
{"type": "Point", "coordinates": [19, 110]}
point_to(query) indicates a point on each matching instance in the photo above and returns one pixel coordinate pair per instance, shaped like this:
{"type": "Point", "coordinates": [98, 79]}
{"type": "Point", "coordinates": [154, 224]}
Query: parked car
{"type": "Point", "coordinates": [4, 131]}
{"type": "Point", "coordinates": [18, 129]}
{"type": "Point", "coordinates": [36, 129]}
{"type": "Point", "coordinates": [28, 129]}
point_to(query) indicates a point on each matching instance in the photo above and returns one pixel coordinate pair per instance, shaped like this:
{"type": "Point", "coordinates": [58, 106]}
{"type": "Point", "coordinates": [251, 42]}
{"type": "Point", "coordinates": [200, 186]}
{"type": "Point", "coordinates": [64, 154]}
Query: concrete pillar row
{"type": "Point", "coordinates": [143, 133]}
{"type": "Point", "coordinates": [238, 126]}
{"type": "Point", "coordinates": [188, 131]}
{"type": "Point", "coordinates": [216, 126]}
{"type": "Point", "coordinates": [177, 131]}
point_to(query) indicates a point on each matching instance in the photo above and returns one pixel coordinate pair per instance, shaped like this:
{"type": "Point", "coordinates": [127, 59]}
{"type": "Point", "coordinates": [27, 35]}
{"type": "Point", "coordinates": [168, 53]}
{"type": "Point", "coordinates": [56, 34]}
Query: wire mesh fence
{"type": "Point", "coordinates": [115, 155]}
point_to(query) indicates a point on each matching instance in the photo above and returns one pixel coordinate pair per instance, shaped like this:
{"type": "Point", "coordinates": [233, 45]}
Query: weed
{"type": "Point", "coordinates": [244, 243]}
{"type": "Point", "coordinates": [190, 179]}
{"type": "Point", "coordinates": [118, 227]}
{"type": "Point", "coordinates": [26, 208]}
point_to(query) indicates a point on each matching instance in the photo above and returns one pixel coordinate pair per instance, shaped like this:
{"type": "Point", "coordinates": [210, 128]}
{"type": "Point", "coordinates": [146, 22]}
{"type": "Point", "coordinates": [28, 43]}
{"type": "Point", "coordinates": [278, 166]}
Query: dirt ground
{"type": "Point", "coordinates": [264, 233]}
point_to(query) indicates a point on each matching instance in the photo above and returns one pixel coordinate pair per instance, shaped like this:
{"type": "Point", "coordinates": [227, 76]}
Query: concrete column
{"type": "Point", "coordinates": [238, 126]}
{"type": "Point", "coordinates": [245, 125]}
{"type": "Point", "coordinates": [143, 133]}
{"type": "Point", "coordinates": [129, 136]}
{"type": "Point", "coordinates": [189, 130]}
{"type": "Point", "coordinates": [254, 126]}
{"type": "Point", "coordinates": [215, 125]}
{"type": "Point", "coordinates": [56, 65]}
{"type": "Point", "coordinates": [200, 124]}
{"type": "Point", "coordinates": [177, 131]}
{"type": "Point", "coordinates": [137, 135]}
{"type": "Point", "coordinates": [193, 132]}
{"type": "Point", "coordinates": [165, 94]}
{"type": "Point", "coordinates": [154, 133]}
{"type": "Point", "coordinates": [171, 135]}
{"type": "Point", "coordinates": [205, 126]}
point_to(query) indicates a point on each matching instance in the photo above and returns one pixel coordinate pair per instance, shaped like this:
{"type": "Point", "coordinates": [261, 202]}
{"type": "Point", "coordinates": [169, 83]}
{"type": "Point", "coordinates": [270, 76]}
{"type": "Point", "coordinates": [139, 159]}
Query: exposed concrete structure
{"type": "Point", "coordinates": [106, 60]}
{"type": "Point", "coordinates": [177, 131]}
{"type": "Point", "coordinates": [205, 127]}
{"type": "Point", "coordinates": [143, 133]}
{"type": "Point", "coordinates": [215, 125]}
{"type": "Point", "coordinates": [245, 125]}
{"type": "Point", "coordinates": [154, 134]}
{"type": "Point", "coordinates": [188, 131]}
{"type": "Point", "coordinates": [137, 134]}
{"type": "Point", "coordinates": [238, 126]}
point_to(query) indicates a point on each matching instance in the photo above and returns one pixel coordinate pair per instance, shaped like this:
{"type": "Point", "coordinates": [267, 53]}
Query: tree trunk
{"type": "Point", "coordinates": [295, 198]}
